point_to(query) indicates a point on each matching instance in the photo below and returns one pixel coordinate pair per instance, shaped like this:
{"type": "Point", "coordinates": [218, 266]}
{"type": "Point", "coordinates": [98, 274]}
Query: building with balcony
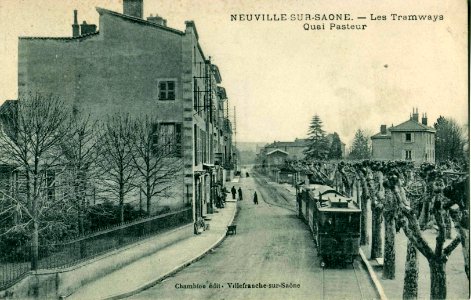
{"type": "Point", "coordinates": [142, 67]}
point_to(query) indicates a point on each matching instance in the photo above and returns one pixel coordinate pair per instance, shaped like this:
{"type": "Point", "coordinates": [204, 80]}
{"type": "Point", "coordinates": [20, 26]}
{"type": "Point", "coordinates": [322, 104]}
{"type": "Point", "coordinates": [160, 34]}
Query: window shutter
{"type": "Point", "coordinates": [403, 137]}
{"type": "Point", "coordinates": [412, 137]}
{"type": "Point", "coordinates": [404, 153]}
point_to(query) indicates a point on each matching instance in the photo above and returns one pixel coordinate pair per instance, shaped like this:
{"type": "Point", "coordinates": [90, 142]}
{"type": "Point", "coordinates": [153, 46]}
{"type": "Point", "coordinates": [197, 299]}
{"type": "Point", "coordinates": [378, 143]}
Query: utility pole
{"type": "Point", "coordinates": [236, 163]}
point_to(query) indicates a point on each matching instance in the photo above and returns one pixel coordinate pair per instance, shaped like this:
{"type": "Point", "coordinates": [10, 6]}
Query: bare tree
{"type": "Point", "coordinates": [437, 257]}
{"type": "Point", "coordinates": [115, 158]}
{"type": "Point", "coordinates": [361, 171]}
{"type": "Point", "coordinates": [376, 191]}
{"type": "Point", "coordinates": [80, 151]}
{"type": "Point", "coordinates": [34, 128]}
{"type": "Point", "coordinates": [157, 157]}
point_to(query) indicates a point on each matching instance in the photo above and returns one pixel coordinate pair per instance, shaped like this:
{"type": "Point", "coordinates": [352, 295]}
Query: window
{"type": "Point", "coordinates": [168, 139]}
{"type": "Point", "coordinates": [408, 154]}
{"type": "Point", "coordinates": [196, 96]}
{"type": "Point", "coordinates": [409, 137]}
{"type": "Point", "coordinates": [167, 90]}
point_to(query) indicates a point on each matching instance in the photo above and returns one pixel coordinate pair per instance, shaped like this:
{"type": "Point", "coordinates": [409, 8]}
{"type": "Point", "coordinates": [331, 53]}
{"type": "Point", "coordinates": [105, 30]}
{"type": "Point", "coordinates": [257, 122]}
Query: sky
{"type": "Point", "coordinates": [278, 75]}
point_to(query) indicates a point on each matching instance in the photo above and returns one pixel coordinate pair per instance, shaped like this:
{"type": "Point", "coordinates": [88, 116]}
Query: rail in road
{"type": "Point", "coordinates": [273, 194]}
{"type": "Point", "coordinates": [348, 281]}
{"type": "Point", "coordinates": [340, 284]}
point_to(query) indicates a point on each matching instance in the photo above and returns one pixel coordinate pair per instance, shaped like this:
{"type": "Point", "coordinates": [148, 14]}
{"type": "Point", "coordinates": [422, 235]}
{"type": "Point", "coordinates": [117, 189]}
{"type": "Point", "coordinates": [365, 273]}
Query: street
{"type": "Point", "coordinates": [272, 257]}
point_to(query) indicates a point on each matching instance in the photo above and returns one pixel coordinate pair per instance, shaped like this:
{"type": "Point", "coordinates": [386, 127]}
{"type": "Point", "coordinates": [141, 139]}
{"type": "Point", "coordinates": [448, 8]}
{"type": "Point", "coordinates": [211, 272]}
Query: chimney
{"type": "Point", "coordinates": [133, 8]}
{"type": "Point", "coordinates": [157, 20]}
{"type": "Point", "coordinates": [415, 114]}
{"type": "Point", "coordinates": [424, 119]}
{"type": "Point", "coordinates": [190, 27]}
{"type": "Point", "coordinates": [87, 28]}
{"type": "Point", "coordinates": [75, 26]}
{"type": "Point", "coordinates": [383, 129]}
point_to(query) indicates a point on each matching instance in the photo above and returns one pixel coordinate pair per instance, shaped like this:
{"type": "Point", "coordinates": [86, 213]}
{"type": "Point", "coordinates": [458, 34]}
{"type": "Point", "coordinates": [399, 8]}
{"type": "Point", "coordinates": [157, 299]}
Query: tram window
{"type": "Point", "coordinates": [327, 222]}
{"type": "Point", "coordinates": [346, 223]}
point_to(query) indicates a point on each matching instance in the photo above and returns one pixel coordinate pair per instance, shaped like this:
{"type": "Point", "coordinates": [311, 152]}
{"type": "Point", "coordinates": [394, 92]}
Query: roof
{"type": "Point", "coordinates": [102, 11]}
{"type": "Point", "coordinates": [216, 73]}
{"type": "Point", "coordinates": [222, 93]}
{"type": "Point", "coordinates": [407, 126]}
{"type": "Point", "coordinates": [411, 125]}
{"type": "Point", "coordinates": [67, 38]}
{"type": "Point", "coordinates": [277, 150]}
{"type": "Point", "coordinates": [379, 135]}
{"type": "Point", "coordinates": [296, 143]}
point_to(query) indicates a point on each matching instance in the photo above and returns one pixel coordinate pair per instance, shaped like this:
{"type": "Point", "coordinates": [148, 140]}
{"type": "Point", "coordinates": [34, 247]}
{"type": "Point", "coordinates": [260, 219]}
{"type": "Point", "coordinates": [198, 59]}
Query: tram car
{"type": "Point", "coordinates": [334, 220]}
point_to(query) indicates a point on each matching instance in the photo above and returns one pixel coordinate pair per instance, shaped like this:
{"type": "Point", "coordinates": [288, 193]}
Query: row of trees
{"type": "Point", "coordinates": [58, 158]}
{"type": "Point", "coordinates": [450, 142]}
{"type": "Point", "coordinates": [409, 198]}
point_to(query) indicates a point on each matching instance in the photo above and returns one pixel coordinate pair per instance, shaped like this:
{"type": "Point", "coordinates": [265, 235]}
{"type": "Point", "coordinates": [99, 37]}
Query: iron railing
{"type": "Point", "coordinates": [15, 264]}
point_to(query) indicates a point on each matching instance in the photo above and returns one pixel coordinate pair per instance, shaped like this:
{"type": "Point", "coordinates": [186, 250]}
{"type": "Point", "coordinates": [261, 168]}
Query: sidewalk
{"type": "Point", "coordinates": [457, 282]}
{"type": "Point", "coordinates": [151, 269]}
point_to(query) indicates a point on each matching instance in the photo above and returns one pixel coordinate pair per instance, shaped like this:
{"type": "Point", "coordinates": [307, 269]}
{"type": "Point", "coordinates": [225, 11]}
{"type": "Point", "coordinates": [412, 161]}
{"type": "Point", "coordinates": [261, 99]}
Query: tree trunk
{"type": "Point", "coordinates": [389, 268]}
{"type": "Point", "coordinates": [437, 279]}
{"type": "Point", "coordinates": [376, 241]}
{"type": "Point", "coordinates": [465, 247]}
{"type": "Point", "coordinates": [424, 218]}
{"type": "Point", "coordinates": [149, 200]}
{"type": "Point", "coordinates": [140, 202]}
{"type": "Point", "coordinates": [35, 246]}
{"type": "Point", "coordinates": [411, 276]}
{"type": "Point", "coordinates": [83, 246]}
{"type": "Point", "coordinates": [447, 225]}
{"type": "Point", "coordinates": [364, 214]}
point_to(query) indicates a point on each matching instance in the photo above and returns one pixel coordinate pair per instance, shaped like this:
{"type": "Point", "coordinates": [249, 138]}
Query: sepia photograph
{"type": "Point", "coordinates": [234, 149]}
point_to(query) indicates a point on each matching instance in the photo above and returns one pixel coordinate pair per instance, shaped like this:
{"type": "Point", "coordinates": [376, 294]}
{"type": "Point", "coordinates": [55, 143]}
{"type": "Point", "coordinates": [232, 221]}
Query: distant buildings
{"type": "Point", "coordinates": [296, 148]}
{"type": "Point", "coordinates": [271, 158]}
{"type": "Point", "coordinates": [411, 140]}
{"type": "Point", "coordinates": [141, 67]}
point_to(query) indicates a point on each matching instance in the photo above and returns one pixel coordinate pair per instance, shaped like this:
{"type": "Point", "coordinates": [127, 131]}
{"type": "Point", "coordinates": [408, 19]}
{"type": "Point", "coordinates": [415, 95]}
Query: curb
{"type": "Point", "coordinates": [374, 278]}
{"type": "Point", "coordinates": [175, 270]}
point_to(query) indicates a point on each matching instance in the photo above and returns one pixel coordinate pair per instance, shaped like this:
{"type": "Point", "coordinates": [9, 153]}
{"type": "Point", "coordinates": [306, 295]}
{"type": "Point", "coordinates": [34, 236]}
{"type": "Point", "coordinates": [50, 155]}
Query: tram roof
{"type": "Point", "coordinates": [352, 207]}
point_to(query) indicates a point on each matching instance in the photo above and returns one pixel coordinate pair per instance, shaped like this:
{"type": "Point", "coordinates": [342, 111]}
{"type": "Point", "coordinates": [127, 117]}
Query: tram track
{"type": "Point", "coordinates": [338, 282]}
{"type": "Point", "coordinates": [334, 285]}
{"type": "Point", "coordinates": [272, 193]}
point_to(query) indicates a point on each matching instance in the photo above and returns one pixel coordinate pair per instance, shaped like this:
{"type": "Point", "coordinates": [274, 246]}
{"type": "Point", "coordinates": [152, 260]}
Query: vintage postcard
{"type": "Point", "coordinates": [217, 149]}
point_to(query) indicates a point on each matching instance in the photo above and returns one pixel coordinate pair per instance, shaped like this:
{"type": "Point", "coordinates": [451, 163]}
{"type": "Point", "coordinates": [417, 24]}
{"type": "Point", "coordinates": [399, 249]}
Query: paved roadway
{"type": "Point", "coordinates": [272, 247]}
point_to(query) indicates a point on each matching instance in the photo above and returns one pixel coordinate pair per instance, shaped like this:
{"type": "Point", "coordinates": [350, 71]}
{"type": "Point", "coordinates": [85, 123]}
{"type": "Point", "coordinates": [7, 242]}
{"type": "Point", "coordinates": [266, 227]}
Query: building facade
{"type": "Point", "coordinates": [295, 149]}
{"type": "Point", "coordinates": [141, 67]}
{"type": "Point", "coordinates": [411, 140]}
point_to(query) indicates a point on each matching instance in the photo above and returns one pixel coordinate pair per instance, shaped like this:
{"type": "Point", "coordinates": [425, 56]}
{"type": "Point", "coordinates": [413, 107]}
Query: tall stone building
{"type": "Point", "coordinates": [411, 140]}
{"type": "Point", "coordinates": [141, 67]}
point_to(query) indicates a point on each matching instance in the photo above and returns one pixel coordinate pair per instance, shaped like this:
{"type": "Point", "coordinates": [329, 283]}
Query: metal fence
{"type": "Point", "coordinates": [16, 264]}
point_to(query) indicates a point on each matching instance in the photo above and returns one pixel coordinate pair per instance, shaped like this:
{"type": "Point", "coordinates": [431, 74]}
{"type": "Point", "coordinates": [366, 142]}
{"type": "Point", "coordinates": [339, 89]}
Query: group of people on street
{"type": "Point", "coordinates": [234, 192]}
{"type": "Point", "coordinates": [240, 197]}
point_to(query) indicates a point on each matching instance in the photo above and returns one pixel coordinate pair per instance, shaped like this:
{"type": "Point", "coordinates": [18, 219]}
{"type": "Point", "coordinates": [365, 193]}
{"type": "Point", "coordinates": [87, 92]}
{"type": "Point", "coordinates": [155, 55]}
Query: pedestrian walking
{"type": "Point", "coordinates": [255, 198]}
{"type": "Point", "coordinates": [233, 191]}
{"type": "Point", "coordinates": [240, 194]}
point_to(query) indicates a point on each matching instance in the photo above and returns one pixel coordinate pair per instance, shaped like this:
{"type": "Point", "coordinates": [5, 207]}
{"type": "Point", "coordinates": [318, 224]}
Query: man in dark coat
{"type": "Point", "coordinates": [255, 198]}
{"type": "Point", "coordinates": [233, 191]}
{"type": "Point", "coordinates": [240, 194]}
